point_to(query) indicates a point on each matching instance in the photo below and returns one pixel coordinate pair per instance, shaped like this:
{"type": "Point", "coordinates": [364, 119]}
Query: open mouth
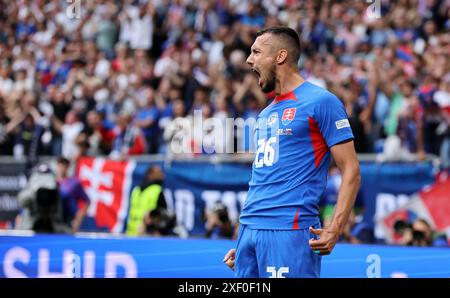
{"type": "Point", "coordinates": [256, 72]}
{"type": "Point", "coordinates": [258, 75]}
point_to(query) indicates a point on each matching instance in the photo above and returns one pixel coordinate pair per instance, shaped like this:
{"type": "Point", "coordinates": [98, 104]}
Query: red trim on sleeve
{"type": "Point", "coordinates": [320, 147]}
{"type": "Point", "coordinates": [295, 224]}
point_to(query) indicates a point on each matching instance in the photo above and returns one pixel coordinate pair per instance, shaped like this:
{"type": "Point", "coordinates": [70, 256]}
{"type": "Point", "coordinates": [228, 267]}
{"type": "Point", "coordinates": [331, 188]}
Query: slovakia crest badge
{"type": "Point", "coordinates": [288, 115]}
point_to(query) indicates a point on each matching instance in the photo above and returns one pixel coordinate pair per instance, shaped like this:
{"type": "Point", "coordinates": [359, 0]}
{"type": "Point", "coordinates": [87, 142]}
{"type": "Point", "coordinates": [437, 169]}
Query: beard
{"type": "Point", "coordinates": [269, 84]}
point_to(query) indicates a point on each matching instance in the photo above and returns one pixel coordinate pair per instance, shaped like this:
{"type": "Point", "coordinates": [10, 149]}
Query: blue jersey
{"type": "Point", "coordinates": [289, 173]}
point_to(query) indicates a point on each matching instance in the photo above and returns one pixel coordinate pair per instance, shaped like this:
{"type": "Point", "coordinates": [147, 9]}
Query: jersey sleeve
{"type": "Point", "coordinates": [332, 120]}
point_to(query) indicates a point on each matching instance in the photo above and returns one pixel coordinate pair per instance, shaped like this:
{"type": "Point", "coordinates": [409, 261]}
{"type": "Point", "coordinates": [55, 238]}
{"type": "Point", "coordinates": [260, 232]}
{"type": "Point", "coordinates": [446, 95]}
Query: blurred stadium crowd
{"type": "Point", "coordinates": [118, 78]}
{"type": "Point", "coordinates": [112, 79]}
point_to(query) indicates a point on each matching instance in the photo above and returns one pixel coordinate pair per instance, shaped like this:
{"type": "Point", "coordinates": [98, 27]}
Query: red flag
{"type": "Point", "coordinates": [107, 183]}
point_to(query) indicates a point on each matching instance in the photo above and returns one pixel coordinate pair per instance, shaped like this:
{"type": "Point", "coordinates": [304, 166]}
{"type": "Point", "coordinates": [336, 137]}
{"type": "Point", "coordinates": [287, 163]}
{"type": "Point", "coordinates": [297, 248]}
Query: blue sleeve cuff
{"type": "Point", "coordinates": [339, 139]}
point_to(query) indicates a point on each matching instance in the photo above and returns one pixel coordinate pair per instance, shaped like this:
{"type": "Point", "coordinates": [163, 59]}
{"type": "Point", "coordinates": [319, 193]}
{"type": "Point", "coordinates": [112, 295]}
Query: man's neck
{"type": "Point", "coordinates": [287, 81]}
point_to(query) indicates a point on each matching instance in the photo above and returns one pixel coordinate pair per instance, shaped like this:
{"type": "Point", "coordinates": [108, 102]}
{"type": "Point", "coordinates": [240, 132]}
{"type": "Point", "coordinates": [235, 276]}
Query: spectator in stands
{"type": "Point", "coordinates": [128, 139]}
{"type": "Point", "coordinates": [410, 126]}
{"type": "Point", "coordinates": [106, 31]}
{"type": "Point", "coordinates": [6, 83]}
{"type": "Point", "coordinates": [71, 128]}
{"type": "Point", "coordinates": [60, 107]}
{"type": "Point", "coordinates": [75, 202]}
{"type": "Point", "coordinates": [247, 93]}
{"type": "Point", "coordinates": [146, 119]}
{"type": "Point", "coordinates": [141, 27]}
{"type": "Point", "coordinates": [95, 138]}
{"type": "Point", "coordinates": [72, 64]}
{"type": "Point", "coordinates": [7, 125]}
{"type": "Point", "coordinates": [28, 137]}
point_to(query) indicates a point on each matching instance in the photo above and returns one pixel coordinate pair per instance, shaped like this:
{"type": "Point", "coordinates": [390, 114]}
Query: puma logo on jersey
{"type": "Point", "coordinates": [272, 118]}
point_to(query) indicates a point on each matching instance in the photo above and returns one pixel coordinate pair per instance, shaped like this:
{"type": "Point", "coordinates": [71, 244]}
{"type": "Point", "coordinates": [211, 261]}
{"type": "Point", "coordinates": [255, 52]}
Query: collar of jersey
{"type": "Point", "coordinates": [287, 95]}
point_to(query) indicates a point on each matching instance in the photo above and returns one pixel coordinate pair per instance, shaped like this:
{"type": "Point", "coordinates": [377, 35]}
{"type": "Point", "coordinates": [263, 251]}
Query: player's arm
{"type": "Point", "coordinates": [230, 257]}
{"type": "Point", "coordinates": [345, 157]}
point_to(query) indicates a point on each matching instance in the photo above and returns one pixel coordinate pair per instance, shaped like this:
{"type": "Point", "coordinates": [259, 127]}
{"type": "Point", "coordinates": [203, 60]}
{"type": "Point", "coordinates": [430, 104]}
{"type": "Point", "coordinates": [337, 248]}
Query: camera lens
{"type": "Point", "coordinates": [418, 235]}
{"type": "Point", "coordinates": [400, 226]}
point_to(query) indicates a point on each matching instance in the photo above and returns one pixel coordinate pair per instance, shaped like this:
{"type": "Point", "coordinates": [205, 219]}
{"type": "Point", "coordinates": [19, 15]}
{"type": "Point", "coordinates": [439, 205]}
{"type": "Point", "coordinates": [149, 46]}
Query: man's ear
{"type": "Point", "coordinates": [282, 56]}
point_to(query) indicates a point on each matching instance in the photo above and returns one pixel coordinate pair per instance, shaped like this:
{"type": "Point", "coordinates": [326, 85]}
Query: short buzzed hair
{"type": "Point", "coordinates": [290, 40]}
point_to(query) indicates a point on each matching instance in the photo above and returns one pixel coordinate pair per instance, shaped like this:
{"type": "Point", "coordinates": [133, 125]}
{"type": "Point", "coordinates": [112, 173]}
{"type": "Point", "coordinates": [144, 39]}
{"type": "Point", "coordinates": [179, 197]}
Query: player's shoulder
{"type": "Point", "coordinates": [318, 96]}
